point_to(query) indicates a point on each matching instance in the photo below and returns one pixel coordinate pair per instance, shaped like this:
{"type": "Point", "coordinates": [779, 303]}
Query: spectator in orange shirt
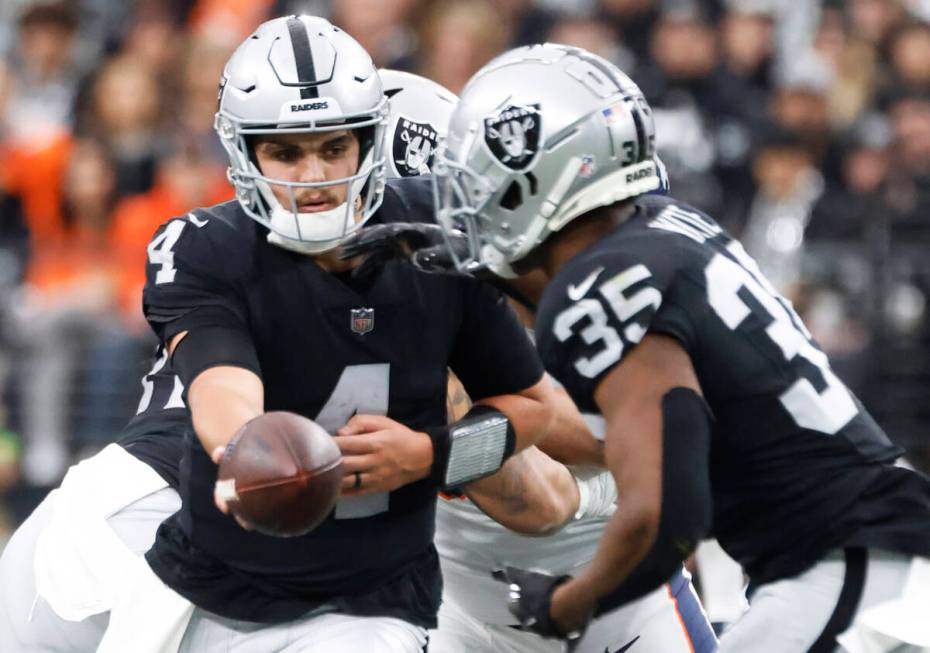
{"type": "Point", "coordinates": [67, 300]}
{"type": "Point", "coordinates": [185, 178]}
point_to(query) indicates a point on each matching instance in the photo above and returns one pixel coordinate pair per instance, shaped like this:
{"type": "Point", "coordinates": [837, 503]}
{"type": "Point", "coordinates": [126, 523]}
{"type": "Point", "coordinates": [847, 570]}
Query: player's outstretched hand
{"type": "Point", "coordinates": [420, 244]}
{"type": "Point", "coordinates": [530, 601]}
{"type": "Point", "coordinates": [380, 454]}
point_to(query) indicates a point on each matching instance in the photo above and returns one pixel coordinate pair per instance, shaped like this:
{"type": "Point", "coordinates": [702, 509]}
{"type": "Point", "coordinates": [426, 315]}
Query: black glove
{"type": "Point", "coordinates": [420, 244]}
{"type": "Point", "coordinates": [530, 598]}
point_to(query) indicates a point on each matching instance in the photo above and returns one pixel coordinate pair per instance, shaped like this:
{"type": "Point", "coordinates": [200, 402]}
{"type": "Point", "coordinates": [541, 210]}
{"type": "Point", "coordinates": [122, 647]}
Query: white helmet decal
{"type": "Point", "coordinates": [417, 122]}
{"type": "Point", "coordinates": [414, 146]}
{"type": "Point", "coordinates": [512, 135]}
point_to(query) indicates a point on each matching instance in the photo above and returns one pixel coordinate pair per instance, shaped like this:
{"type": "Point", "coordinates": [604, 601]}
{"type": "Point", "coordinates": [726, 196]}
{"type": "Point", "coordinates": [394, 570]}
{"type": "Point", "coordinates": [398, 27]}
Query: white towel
{"type": "Point", "coordinates": [80, 562]}
{"type": "Point", "coordinates": [147, 617]}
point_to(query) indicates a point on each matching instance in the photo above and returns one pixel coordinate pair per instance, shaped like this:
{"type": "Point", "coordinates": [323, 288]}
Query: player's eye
{"type": "Point", "coordinates": [335, 150]}
{"type": "Point", "coordinates": [286, 154]}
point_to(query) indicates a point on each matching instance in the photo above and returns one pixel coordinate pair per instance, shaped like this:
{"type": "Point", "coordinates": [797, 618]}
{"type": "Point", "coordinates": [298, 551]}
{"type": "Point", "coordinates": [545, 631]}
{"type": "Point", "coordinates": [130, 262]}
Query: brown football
{"type": "Point", "coordinates": [281, 473]}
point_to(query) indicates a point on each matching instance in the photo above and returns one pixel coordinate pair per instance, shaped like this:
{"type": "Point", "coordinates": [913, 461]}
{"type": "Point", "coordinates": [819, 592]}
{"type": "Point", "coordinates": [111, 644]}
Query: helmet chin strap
{"type": "Point", "coordinates": [300, 246]}
{"type": "Point", "coordinates": [320, 224]}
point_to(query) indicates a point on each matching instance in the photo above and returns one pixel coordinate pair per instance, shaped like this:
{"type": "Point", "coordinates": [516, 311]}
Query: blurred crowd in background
{"type": "Point", "coordinates": [802, 125]}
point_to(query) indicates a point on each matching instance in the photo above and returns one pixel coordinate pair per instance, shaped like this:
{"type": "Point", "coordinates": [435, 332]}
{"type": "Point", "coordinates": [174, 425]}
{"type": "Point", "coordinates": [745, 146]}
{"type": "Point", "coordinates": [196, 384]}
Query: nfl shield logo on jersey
{"type": "Point", "coordinates": [513, 135]}
{"type": "Point", "coordinates": [363, 320]}
{"type": "Point", "coordinates": [414, 144]}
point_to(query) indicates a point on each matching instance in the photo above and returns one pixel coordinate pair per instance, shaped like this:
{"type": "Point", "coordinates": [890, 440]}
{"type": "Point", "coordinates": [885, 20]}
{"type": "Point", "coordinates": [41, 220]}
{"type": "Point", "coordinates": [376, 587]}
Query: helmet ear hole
{"type": "Point", "coordinates": [512, 197]}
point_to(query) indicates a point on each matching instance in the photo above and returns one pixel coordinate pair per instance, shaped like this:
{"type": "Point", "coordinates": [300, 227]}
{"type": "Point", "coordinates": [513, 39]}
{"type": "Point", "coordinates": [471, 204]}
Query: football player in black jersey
{"type": "Point", "coordinates": [256, 312]}
{"type": "Point", "coordinates": [722, 416]}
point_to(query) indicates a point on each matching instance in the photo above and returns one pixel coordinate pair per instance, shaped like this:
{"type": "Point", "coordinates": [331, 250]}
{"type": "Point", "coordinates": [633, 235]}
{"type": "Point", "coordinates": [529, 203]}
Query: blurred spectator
{"type": "Point", "coordinates": [739, 109]}
{"type": "Point", "coordinates": [153, 39]}
{"type": "Point", "coordinates": [528, 20]}
{"type": "Point", "coordinates": [854, 66]}
{"type": "Point", "coordinates": [32, 174]}
{"type": "Point", "coordinates": [910, 57]}
{"type": "Point", "coordinates": [201, 66]}
{"type": "Point", "coordinates": [593, 35]}
{"type": "Point", "coordinates": [909, 183]}
{"type": "Point", "coordinates": [38, 85]}
{"type": "Point", "coordinates": [788, 186]}
{"type": "Point", "coordinates": [875, 20]}
{"type": "Point", "coordinates": [39, 81]}
{"type": "Point", "coordinates": [382, 27]}
{"type": "Point", "coordinates": [227, 21]}
{"type": "Point", "coordinates": [847, 208]}
{"type": "Point", "coordinates": [683, 82]}
{"type": "Point", "coordinates": [67, 301]}
{"type": "Point", "coordinates": [635, 21]}
{"type": "Point", "coordinates": [124, 113]}
{"type": "Point", "coordinates": [459, 37]}
{"type": "Point", "coordinates": [799, 102]}
{"type": "Point", "coordinates": [186, 178]}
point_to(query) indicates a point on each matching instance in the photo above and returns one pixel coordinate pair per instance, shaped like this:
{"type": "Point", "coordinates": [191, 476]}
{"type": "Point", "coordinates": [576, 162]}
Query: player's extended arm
{"type": "Point", "coordinates": [532, 494]}
{"type": "Point", "coordinates": [221, 399]}
{"type": "Point", "coordinates": [650, 402]}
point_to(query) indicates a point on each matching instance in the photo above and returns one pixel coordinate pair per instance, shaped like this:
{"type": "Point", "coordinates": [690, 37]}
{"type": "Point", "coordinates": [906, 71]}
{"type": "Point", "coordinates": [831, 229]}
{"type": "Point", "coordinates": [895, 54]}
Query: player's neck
{"type": "Point", "coordinates": [581, 233]}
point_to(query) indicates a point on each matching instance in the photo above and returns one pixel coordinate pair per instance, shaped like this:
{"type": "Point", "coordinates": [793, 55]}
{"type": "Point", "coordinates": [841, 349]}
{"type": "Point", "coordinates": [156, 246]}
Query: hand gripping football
{"type": "Point", "coordinates": [281, 473]}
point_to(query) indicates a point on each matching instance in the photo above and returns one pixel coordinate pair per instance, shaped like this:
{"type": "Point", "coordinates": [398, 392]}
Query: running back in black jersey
{"type": "Point", "coordinates": [798, 466]}
{"type": "Point", "coordinates": [327, 347]}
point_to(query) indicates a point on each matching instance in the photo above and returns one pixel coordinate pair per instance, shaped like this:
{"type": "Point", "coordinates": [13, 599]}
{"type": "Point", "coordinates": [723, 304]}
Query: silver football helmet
{"type": "Point", "coordinates": [302, 75]}
{"type": "Point", "coordinates": [418, 120]}
{"type": "Point", "coordinates": [541, 135]}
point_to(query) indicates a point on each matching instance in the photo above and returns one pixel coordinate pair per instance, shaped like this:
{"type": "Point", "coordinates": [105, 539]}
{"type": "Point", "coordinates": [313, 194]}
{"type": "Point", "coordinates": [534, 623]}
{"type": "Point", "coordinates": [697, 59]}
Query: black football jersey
{"type": "Point", "coordinates": [797, 464]}
{"type": "Point", "coordinates": [328, 346]}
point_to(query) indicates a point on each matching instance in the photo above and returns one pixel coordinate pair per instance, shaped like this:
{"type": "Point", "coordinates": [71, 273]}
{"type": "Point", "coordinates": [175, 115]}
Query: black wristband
{"type": "Point", "coordinates": [471, 448]}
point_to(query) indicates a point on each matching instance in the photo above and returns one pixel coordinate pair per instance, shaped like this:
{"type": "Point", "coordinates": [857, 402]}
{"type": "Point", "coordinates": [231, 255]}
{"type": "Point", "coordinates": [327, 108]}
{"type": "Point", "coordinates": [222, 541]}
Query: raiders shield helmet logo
{"type": "Point", "coordinates": [513, 135]}
{"type": "Point", "coordinates": [362, 320]}
{"type": "Point", "coordinates": [414, 145]}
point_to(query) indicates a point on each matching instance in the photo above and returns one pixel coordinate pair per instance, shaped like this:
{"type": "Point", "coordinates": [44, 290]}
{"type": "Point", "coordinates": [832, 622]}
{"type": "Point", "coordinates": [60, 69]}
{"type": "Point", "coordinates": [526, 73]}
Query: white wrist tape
{"type": "Point", "coordinates": [597, 493]}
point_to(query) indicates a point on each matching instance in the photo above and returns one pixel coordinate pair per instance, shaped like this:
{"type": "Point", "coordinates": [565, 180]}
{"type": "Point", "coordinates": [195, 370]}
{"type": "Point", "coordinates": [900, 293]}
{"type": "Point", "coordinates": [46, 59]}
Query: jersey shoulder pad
{"type": "Point", "coordinates": [407, 199]}
{"type": "Point", "coordinates": [601, 305]}
{"type": "Point", "coordinates": [212, 241]}
{"type": "Point", "coordinates": [195, 262]}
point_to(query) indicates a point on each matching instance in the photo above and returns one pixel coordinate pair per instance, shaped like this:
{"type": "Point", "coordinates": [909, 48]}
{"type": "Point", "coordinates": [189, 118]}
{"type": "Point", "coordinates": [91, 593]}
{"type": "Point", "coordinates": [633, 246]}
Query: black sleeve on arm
{"type": "Point", "coordinates": [686, 497]}
{"type": "Point", "coordinates": [492, 354]}
{"type": "Point", "coordinates": [212, 346]}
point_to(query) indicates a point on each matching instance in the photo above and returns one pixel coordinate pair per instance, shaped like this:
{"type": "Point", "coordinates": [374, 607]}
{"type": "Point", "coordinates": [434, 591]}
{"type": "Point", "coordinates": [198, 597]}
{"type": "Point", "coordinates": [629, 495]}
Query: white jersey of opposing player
{"type": "Point", "coordinates": [471, 544]}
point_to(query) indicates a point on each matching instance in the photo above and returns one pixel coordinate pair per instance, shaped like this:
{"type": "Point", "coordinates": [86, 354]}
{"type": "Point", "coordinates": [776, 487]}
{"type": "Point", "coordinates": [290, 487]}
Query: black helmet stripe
{"type": "Point", "coordinates": [640, 133]}
{"type": "Point", "coordinates": [641, 145]}
{"type": "Point", "coordinates": [303, 57]}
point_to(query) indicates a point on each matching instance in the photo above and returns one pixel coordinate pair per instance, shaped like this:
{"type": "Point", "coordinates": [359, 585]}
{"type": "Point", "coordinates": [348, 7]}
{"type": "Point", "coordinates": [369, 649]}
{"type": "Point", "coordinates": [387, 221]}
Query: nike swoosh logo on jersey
{"type": "Point", "coordinates": [624, 647]}
{"type": "Point", "coordinates": [577, 292]}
